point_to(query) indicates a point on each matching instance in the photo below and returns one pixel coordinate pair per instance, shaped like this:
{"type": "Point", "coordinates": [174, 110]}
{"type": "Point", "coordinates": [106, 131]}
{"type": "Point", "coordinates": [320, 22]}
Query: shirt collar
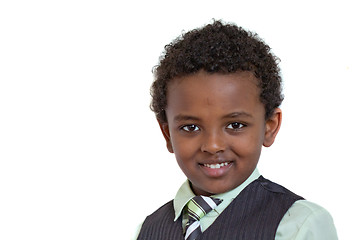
{"type": "Point", "coordinates": [185, 193]}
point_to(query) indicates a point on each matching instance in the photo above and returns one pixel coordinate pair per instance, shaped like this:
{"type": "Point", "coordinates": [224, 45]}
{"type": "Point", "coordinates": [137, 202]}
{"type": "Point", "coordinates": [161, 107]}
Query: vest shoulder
{"type": "Point", "coordinates": [161, 225]}
{"type": "Point", "coordinates": [167, 208]}
{"type": "Point", "coordinates": [276, 188]}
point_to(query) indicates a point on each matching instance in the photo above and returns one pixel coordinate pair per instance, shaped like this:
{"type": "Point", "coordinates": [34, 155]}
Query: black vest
{"type": "Point", "coordinates": [254, 214]}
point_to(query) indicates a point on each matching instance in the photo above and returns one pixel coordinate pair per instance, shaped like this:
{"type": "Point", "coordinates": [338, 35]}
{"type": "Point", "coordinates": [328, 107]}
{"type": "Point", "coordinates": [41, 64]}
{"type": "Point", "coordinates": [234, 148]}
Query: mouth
{"type": "Point", "coordinates": [217, 165]}
{"type": "Point", "coordinates": [216, 170]}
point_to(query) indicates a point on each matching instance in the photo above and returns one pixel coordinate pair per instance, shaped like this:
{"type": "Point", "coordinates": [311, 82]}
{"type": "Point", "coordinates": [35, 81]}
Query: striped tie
{"type": "Point", "coordinates": [197, 208]}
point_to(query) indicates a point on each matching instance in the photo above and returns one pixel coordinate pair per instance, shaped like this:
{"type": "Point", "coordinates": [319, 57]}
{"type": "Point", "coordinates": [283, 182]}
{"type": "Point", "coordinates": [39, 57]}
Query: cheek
{"type": "Point", "coordinates": [186, 160]}
{"type": "Point", "coordinates": [184, 149]}
{"type": "Point", "coordinates": [249, 147]}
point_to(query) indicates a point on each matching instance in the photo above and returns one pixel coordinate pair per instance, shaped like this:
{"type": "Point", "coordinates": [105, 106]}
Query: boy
{"type": "Point", "coordinates": [216, 96]}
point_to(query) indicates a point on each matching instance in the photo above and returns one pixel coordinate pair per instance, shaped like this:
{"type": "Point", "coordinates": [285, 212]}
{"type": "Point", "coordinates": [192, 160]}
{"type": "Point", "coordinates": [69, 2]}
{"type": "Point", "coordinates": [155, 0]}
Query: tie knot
{"type": "Point", "coordinates": [199, 206]}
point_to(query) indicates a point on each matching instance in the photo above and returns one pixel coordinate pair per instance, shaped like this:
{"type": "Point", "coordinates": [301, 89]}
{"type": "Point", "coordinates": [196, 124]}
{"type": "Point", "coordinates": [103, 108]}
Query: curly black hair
{"type": "Point", "coordinates": [218, 48]}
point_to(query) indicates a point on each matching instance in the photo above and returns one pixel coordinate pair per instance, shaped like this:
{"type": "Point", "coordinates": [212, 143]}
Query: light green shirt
{"type": "Point", "coordinates": [303, 220]}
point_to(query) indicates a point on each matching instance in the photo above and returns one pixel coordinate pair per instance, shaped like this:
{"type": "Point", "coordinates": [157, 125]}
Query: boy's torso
{"type": "Point", "coordinates": [254, 214]}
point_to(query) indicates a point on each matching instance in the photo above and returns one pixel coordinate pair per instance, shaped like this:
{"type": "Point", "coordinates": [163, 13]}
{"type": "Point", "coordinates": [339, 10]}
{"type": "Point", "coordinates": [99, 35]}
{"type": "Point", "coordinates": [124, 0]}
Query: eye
{"type": "Point", "coordinates": [190, 128]}
{"type": "Point", "coordinates": [235, 126]}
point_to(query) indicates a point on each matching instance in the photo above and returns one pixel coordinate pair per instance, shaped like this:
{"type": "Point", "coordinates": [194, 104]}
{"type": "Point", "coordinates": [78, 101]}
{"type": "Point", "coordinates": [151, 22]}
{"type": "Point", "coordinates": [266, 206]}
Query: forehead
{"type": "Point", "coordinates": [204, 91]}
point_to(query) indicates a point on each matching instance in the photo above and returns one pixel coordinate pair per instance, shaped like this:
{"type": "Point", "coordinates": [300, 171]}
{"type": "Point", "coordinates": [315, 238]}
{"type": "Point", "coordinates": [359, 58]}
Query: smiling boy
{"type": "Point", "coordinates": [216, 127]}
{"type": "Point", "coordinates": [216, 96]}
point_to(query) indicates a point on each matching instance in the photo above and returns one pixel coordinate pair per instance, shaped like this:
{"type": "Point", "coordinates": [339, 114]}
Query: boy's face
{"type": "Point", "coordinates": [216, 128]}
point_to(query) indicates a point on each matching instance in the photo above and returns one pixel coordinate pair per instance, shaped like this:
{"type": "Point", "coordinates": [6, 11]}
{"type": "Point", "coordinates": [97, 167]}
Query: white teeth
{"type": "Point", "coordinates": [216, 165]}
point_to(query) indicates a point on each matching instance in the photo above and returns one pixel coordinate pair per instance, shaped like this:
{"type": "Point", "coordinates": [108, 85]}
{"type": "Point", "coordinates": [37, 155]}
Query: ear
{"type": "Point", "coordinates": [166, 133]}
{"type": "Point", "coordinates": [272, 127]}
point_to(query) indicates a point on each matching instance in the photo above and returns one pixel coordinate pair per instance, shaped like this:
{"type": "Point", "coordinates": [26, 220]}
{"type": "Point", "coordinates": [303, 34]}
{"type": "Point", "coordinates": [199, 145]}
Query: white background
{"type": "Point", "coordinates": [78, 142]}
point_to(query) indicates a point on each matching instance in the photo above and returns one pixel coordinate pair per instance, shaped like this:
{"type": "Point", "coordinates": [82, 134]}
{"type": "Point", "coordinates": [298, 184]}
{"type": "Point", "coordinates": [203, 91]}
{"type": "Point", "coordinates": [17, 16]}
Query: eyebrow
{"type": "Point", "coordinates": [238, 114]}
{"type": "Point", "coordinates": [181, 117]}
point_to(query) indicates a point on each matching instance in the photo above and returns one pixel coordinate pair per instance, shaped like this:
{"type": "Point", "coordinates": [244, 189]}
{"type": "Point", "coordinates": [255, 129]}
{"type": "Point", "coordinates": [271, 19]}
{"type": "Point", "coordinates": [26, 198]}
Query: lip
{"type": "Point", "coordinates": [216, 169]}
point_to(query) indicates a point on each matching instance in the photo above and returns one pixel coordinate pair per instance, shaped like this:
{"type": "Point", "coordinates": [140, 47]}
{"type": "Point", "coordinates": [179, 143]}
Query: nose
{"type": "Point", "coordinates": [213, 143]}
